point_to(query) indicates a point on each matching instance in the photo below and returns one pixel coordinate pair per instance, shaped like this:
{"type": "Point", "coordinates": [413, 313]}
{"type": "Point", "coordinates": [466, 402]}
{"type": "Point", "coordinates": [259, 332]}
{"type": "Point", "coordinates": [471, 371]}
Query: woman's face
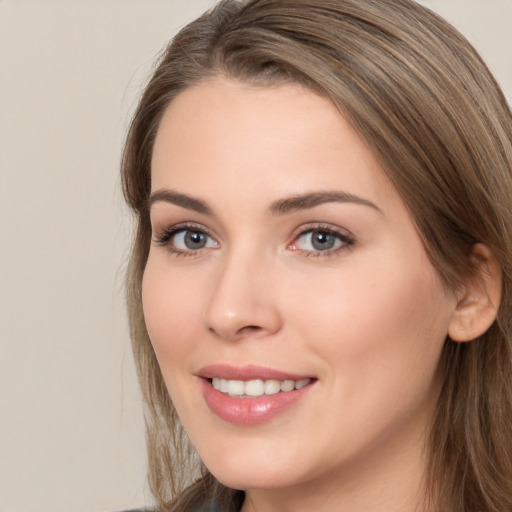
{"type": "Point", "coordinates": [283, 258]}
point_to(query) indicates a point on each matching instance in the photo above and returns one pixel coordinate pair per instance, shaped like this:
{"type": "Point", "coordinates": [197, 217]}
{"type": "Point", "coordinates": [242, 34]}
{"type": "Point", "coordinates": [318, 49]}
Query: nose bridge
{"type": "Point", "coordinates": [242, 301]}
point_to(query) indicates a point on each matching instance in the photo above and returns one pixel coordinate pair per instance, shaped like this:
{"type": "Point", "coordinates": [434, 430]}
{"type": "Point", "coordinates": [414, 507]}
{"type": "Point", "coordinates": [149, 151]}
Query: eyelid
{"type": "Point", "coordinates": [163, 237]}
{"type": "Point", "coordinates": [342, 234]}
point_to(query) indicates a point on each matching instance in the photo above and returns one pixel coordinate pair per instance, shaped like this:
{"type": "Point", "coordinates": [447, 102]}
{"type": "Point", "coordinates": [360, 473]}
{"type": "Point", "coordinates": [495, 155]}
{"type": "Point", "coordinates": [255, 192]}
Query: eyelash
{"type": "Point", "coordinates": [164, 238]}
{"type": "Point", "coordinates": [347, 241]}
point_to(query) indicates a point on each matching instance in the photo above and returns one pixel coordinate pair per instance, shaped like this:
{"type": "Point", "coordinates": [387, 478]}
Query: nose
{"type": "Point", "coordinates": [243, 302]}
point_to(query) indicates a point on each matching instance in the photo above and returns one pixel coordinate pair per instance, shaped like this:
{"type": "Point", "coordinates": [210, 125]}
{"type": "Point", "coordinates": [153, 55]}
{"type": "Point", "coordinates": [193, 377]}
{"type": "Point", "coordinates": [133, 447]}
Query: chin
{"type": "Point", "coordinates": [251, 480]}
{"type": "Point", "coordinates": [250, 474]}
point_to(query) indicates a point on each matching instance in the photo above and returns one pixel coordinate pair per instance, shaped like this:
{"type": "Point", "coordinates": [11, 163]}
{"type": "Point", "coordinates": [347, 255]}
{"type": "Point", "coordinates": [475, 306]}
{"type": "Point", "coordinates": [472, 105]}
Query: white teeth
{"type": "Point", "coordinates": [301, 383]}
{"type": "Point", "coordinates": [257, 387]}
{"type": "Point", "coordinates": [272, 387]}
{"type": "Point", "coordinates": [224, 385]}
{"type": "Point", "coordinates": [287, 385]}
{"type": "Point", "coordinates": [236, 387]}
{"type": "Point", "coordinates": [254, 388]}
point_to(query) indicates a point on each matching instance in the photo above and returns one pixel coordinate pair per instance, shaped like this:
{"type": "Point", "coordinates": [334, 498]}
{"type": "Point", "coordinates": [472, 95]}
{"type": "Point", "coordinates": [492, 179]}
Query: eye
{"type": "Point", "coordinates": [321, 240]}
{"type": "Point", "coordinates": [185, 240]}
{"type": "Point", "coordinates": [189, 240]}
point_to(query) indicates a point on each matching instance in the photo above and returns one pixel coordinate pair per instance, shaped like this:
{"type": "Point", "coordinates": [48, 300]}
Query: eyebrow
{"type": "Point", "coordinates": [305, 201]}
{"type": "Point", "coordinates": [279, 207]}
{"type": "Point", "coordinates": [187, 202]}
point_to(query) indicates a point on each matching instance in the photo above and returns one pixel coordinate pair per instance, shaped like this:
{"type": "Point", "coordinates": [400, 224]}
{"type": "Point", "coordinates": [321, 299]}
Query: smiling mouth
{"type": "Point", "coordinates": [257, 387]}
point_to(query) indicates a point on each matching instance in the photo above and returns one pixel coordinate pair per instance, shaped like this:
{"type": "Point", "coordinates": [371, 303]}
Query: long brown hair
{"type": "Point", "coordinates": [428, 107]}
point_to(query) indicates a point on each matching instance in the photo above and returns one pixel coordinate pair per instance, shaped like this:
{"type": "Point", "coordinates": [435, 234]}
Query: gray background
{"type": "Point", "coordinates": [71, 432]}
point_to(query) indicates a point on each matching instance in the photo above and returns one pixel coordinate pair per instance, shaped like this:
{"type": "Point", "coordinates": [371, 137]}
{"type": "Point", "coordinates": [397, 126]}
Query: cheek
{"type": "Point", "coordinates": [378, 345]}
{"type": "Point", "coordinates": [170, 312]}
{"type": "Point", "coordinates": [376, 324]}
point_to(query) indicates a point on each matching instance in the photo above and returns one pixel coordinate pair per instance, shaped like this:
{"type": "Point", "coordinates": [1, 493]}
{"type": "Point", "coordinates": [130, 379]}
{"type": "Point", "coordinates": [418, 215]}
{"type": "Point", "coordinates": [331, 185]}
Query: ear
{"type": "Point", "coordinates": [479, 298]}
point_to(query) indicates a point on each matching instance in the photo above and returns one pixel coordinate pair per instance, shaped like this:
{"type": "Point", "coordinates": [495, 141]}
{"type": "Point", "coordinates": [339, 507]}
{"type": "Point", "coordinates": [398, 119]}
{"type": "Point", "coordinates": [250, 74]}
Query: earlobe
{"type": "Point", "coordinates": [479, 298]}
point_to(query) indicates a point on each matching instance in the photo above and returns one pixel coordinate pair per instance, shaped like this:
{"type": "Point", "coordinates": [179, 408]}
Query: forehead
{"type": "Point", "coordinates": [275, 140]}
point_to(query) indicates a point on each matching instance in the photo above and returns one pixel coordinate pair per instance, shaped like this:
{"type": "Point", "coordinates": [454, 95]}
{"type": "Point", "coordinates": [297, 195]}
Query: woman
{"type": "Point", "coordinates": [319, 289]}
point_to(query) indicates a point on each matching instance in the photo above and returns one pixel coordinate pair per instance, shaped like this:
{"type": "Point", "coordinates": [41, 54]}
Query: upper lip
{"type": "Point", "coordinates": [249, 372]}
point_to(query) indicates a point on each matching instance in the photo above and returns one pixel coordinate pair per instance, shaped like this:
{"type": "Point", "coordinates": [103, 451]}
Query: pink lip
{"type": "Point", "coordinates": [249, 411]}
{"type": "Point", "coordinates": [250, 372]}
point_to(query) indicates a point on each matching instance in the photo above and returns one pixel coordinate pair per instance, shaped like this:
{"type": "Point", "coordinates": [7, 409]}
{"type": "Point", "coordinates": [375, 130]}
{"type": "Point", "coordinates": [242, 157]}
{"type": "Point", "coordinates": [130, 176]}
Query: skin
{"type": "Point", "coordinates": [367, 321]}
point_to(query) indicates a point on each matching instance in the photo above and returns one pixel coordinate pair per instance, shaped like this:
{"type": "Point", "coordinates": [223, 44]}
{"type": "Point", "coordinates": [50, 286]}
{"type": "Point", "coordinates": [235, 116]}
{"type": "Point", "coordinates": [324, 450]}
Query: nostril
{"type": "Point", "coordinates": [249, 329]}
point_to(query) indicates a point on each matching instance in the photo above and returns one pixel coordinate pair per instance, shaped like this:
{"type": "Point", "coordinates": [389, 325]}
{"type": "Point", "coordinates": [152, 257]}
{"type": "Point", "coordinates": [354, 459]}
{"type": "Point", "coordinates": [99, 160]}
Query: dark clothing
{"type": "Point", "coordinates": [138, 510]}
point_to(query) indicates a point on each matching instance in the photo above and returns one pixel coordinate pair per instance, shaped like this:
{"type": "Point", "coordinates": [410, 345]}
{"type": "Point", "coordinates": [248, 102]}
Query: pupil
{"type": "Point", "coordinates": [195, 240]}
{"type": "Point", "coordinates": [323, 241]}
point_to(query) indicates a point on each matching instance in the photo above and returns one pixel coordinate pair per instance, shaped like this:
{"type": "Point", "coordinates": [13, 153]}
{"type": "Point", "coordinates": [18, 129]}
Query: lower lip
{"type": "Point", "coordinates": [250, 411]}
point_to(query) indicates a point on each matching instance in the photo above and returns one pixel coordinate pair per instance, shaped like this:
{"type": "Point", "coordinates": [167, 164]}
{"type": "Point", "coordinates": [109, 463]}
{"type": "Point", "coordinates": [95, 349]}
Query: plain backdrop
{"type": "Point", "coordinates": [71, 431]}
